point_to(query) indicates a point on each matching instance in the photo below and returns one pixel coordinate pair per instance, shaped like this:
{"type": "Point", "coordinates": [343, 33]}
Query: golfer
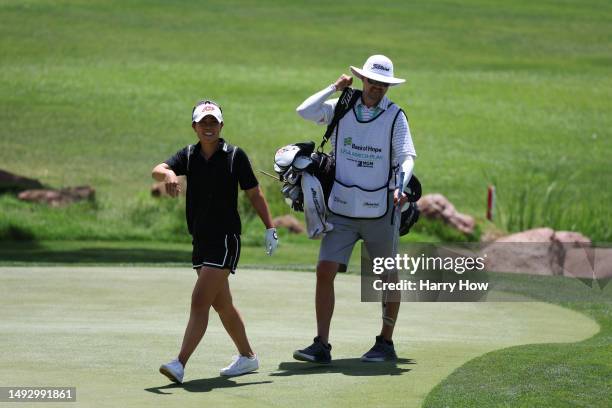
{"type": "Point", "coordinates": [214, 168]}
{"type": "Point", "coordinates": [372, 145]}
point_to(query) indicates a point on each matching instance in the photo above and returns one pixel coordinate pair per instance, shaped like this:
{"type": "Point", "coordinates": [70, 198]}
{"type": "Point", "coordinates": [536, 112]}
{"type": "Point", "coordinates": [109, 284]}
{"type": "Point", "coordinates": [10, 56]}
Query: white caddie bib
{"type": "Point", "coordinates": [363, 165]}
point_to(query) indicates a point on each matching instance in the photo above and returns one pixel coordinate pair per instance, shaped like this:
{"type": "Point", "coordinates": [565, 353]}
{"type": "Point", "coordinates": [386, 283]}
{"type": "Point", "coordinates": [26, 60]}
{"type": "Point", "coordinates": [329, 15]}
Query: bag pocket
{"type": "Point", "coordinates": [353, 202]}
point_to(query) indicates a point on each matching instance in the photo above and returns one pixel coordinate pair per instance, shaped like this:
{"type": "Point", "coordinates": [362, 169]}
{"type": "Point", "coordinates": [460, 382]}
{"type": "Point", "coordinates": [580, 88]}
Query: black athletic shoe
{"type": "Point", "coordinates": [317, 352]}
{"type": "Point", "coordinates": [382, 350]}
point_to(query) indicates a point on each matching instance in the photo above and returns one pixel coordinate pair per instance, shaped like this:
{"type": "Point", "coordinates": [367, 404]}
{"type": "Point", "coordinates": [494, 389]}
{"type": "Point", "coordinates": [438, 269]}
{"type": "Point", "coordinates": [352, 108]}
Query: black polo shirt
{"type": "Point", "coordinates": [212, 188]}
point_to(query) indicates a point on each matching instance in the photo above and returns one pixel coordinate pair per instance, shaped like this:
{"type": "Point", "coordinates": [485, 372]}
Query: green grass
{"type": "Point", "coordinates": [145, 218]}
{"type": "Point", "coordinates": [295, 252]}
{"type": "Point", "coordinates": [98, 92]}
{"type": "Point", "coordinates": [95, 92]}
{"type": "Point", "coordinates": [292, 254]}
{"type": "Point", "coordinates": [106, 331]}
{"type": "Point", "coordinates": [543, 375]}
{"type": "Point", "coordinates": [547, 198]}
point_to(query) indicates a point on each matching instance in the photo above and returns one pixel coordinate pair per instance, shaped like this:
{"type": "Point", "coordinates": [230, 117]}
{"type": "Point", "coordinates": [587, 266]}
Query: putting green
{"type": "Point", "coordinates": [106, 331]}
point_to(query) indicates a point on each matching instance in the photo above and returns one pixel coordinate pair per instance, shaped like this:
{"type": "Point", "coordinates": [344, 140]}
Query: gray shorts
{"type": "Point", "coordinates": [380, 236]}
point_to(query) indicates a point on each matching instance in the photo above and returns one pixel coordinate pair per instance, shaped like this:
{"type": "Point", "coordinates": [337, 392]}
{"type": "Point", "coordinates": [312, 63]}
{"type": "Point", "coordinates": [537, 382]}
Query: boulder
{"type": "Point", "coordinates": [158, 189]}
{"type": "Point", "coordinates": [603, 266]}
{"type": "Point", "coordinates": [13, 182]}
{"type": "Point", "coordinates": [58, 198]}
{"type": "Point", "coordinates": [436, 206]}
{"type": "Point", "coordinates": [536, 258]}
{"type": "Point", "coordinates": [289, 222]}
{"type": "Point", "coordinates": [542, 251]}
{"type": "Point", "coordinates": [579, 263]}
{"type": "Point", "coordinates": [571, 237]}
{"type": "Point", "coordinates": [533, 235]}
{"type": "Point", "coordinates": [531, 252]}
{"type": "Point", "coordinates": [589, 263]}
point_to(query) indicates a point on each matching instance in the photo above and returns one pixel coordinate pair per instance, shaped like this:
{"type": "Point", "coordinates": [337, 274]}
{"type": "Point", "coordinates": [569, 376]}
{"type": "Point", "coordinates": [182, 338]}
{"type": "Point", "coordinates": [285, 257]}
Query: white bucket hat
{"type": "Point", "coordinates": [379, 68]}
{"type": "Point", "coordinates": [204, 109]}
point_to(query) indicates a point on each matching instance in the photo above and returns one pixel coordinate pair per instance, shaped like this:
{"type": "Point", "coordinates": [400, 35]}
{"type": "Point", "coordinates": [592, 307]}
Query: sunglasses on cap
{"type": "Point", "coordinates": [377, 83]}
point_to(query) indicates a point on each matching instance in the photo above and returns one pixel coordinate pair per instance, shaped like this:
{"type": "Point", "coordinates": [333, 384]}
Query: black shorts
{"type": "Point", "coordinates": [221, 251]}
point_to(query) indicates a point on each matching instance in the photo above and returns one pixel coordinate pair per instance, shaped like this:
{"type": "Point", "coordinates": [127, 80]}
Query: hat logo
{"type": "Point", "coordinates": [208, 108]}
{"type": "Point", "coordinates": [380, 67]}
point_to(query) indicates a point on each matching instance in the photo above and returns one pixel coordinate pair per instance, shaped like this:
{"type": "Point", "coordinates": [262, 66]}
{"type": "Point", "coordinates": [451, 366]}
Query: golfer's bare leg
{"type": "Point", "coordinates": [232, 321]}
{"type": "Point", "coordinates": [325, 297]}
{"type": "Point", "coordinates": [209, 283]}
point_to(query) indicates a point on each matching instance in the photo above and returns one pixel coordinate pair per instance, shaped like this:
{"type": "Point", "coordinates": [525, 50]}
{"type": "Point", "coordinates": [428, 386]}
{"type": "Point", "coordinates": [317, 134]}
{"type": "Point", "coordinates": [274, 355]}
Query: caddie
{"type": "Point", "coordinates": [372, 146]}
{"type": "Point", "coordinates": [214, 169]}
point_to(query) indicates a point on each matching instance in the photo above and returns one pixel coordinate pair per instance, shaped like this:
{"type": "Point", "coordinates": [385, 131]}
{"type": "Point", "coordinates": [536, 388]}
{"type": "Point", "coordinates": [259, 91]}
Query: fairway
{"type": "Point", "coordinates": [106, 331]}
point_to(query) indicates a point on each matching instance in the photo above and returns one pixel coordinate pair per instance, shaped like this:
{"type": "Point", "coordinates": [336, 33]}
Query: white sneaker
{"type": "Point", "coordinates": [240, 365]}
{"type": "Point", "coordinates": [173, 370]}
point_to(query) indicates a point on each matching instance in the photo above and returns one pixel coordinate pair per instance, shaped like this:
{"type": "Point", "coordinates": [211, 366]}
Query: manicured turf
{"type": "Point", "coordinates": [98, 92]}
{"type": "Point", "coordinates": [106, 330]}
{"type": "Point", "coordinates": [538, 375]}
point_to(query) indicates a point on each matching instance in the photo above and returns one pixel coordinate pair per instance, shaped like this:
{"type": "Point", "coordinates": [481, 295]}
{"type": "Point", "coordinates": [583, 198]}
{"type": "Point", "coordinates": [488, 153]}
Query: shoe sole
{"type": "Point", "coordinates": [308, 358]}
{"type": "Point", "coordinates": [239, 374]}
{"type": "Point", "coordinates": [168, 374]}
{"type": "Point", "coordinates": [377, 360]}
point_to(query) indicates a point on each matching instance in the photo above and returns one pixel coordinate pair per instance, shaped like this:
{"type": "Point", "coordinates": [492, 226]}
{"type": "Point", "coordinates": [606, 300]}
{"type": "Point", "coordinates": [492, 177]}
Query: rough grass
{"type": "Point", "coordinates": [98, 92]}
{"type": "Point", "coordinates": [549, 198]}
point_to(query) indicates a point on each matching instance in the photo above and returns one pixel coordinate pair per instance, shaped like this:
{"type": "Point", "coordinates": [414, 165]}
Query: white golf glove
{"type": "Point", "coordinates": [271, 240]}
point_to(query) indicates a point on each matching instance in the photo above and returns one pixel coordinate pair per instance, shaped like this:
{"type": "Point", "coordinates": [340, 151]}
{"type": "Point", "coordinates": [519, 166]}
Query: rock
{"type": "Point", "coordinates": [58, 198]}
{"type": "Point", "coordinates": [436, 206]}
{"type": "Point", "coordinates": [536, 258]}
{"type": "Point", "coordinates": [603, 266]}
{"type": "Point", "coordinates": [579, 263]}
{"type": "Point", "coordinates": [542, 251]}
{"type": "Point", "coordinates": [588, 263]}
{"type": "Point", "coordinates": [532, 235]}
{"type": "Point", "coordinates": [158, 189]}
{"type": "Point", "coordinates": [570, 237]}
{"type": "Point", "coordinates": [531, 252]}
{"type": "Point", "coordinates": [15, 183]}
{"type": "Point", "coordinates": [289, 222]}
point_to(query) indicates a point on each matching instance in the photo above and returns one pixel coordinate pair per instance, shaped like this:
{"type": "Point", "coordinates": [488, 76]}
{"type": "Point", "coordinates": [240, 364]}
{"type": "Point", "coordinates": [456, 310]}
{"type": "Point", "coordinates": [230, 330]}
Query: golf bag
{"type": "Point", "coordinates": [296, 166]}
{"type": "Point", "coordinates": [290, 161]}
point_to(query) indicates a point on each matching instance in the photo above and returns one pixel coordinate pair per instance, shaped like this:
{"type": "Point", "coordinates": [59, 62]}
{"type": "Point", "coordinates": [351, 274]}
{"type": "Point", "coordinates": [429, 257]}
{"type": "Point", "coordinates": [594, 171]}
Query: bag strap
{"type": "Point", "coordinates": [347, 100]}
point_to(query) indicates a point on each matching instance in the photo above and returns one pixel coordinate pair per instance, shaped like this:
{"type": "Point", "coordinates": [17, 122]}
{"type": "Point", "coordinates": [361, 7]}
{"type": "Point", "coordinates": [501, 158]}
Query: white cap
{"type": "Point", "coordinates": [379, 68]}
{"type": "Point", "coordinates": [206, 109]}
